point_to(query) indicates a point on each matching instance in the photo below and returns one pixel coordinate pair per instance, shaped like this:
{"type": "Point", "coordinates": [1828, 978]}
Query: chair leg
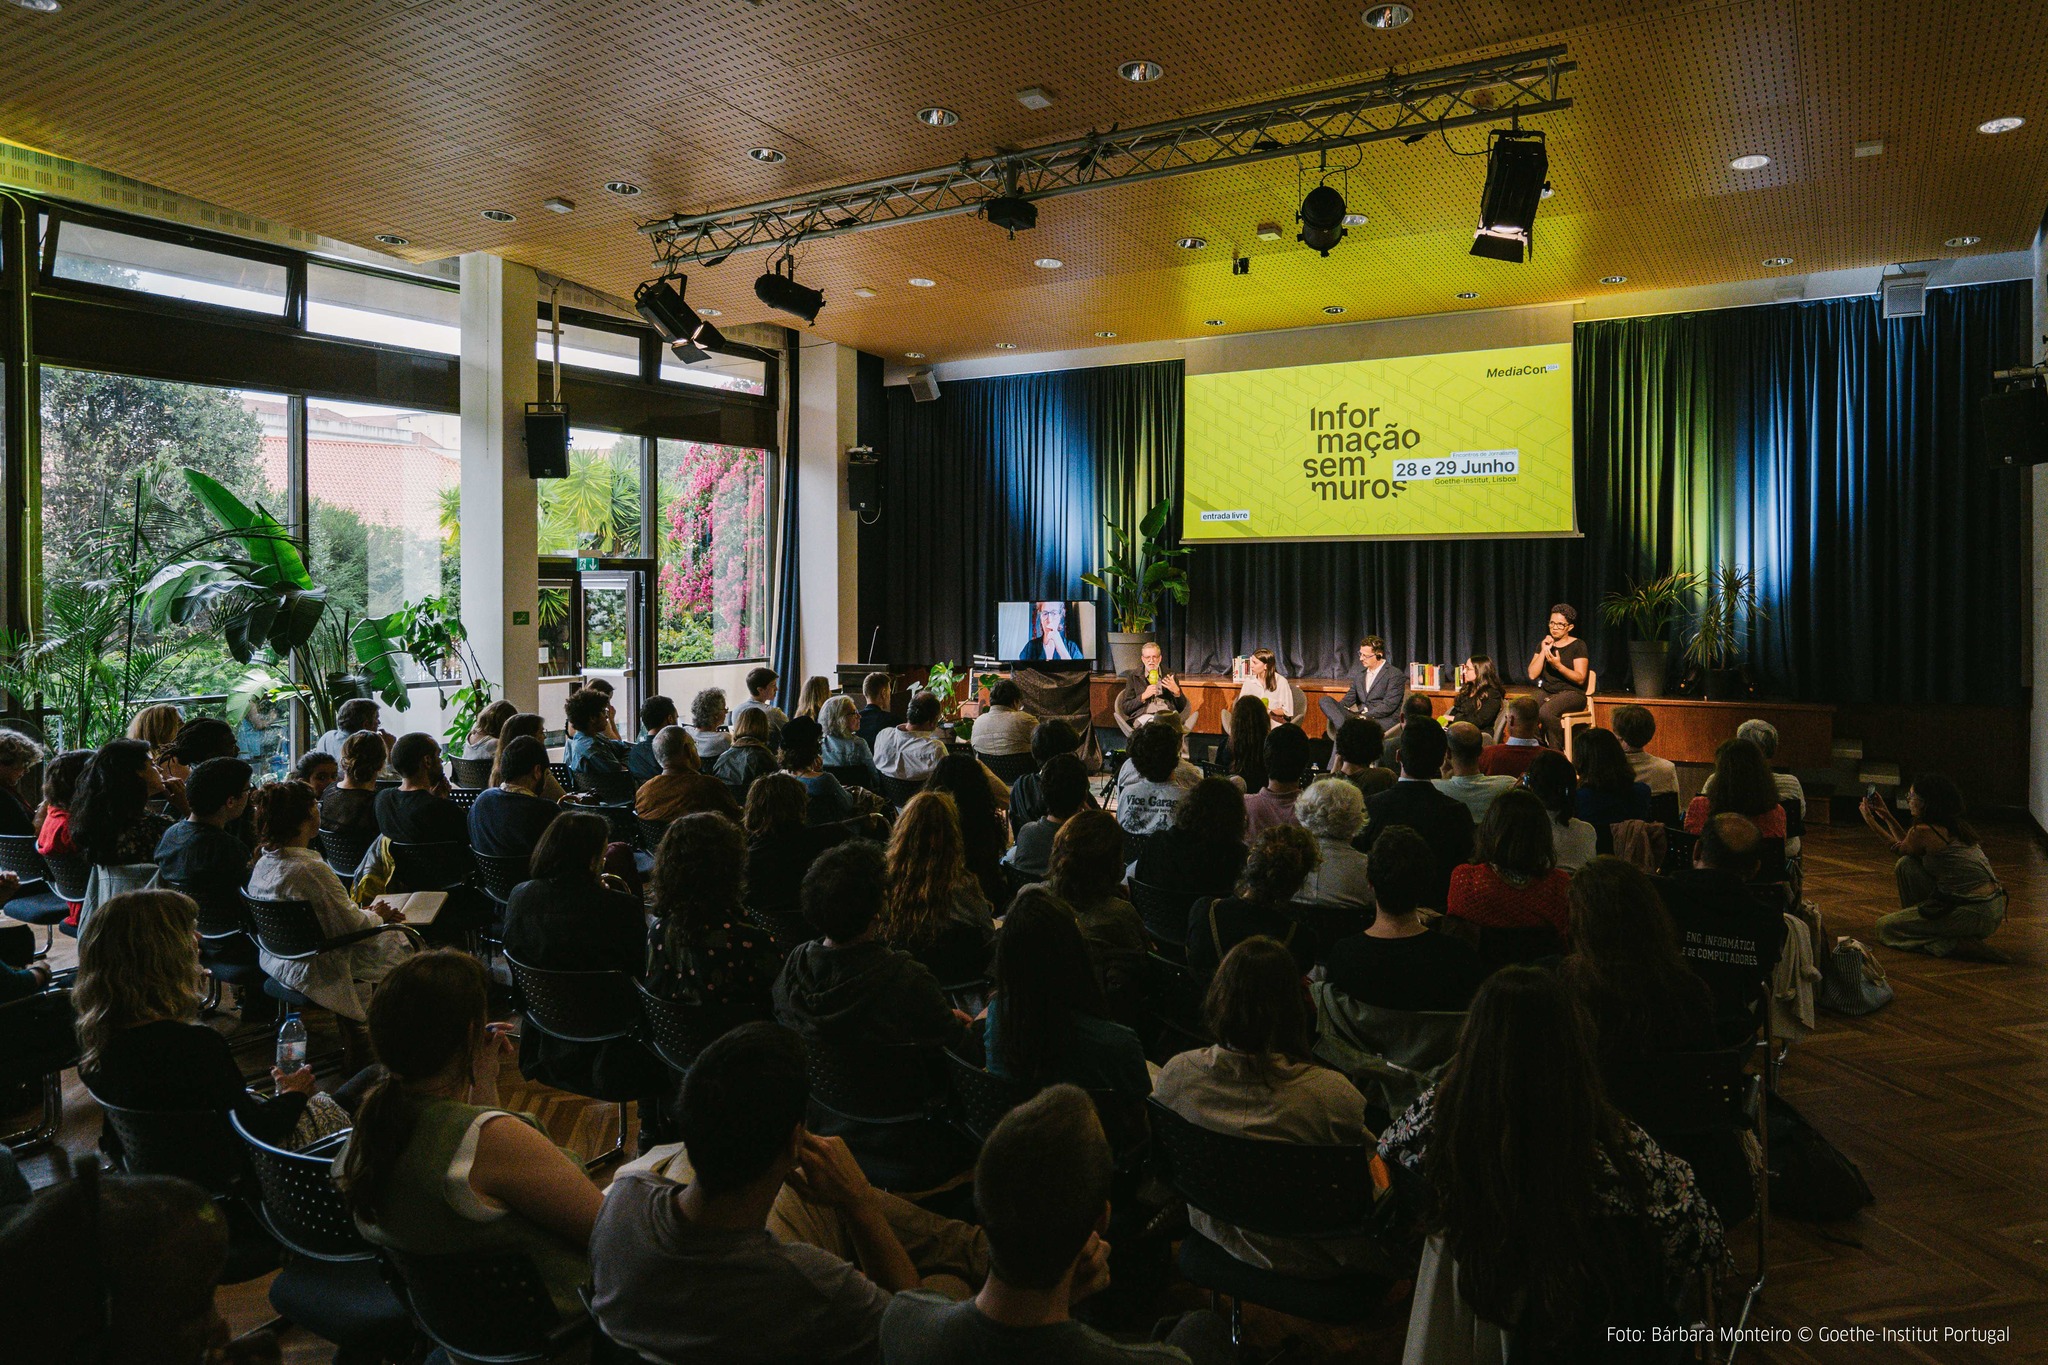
{"type": "Point", "coordinates": [49, 1119]}
{"type": "Point", "coordinates": [618, 1144]}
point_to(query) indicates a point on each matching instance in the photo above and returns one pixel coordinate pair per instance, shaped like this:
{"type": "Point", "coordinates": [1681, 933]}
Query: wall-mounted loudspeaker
{"type": "Point", "coordinates": [547, 441]}
{"type": "Point", "coordinates": [2015, 425]}
{"type": "Point", "coordinates": [863, 481]}
{"type": "Point", "coordinates": [924, 387]}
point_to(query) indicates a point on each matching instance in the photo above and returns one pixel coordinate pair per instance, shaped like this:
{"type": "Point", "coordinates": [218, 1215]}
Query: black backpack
{"type": "Point", "coordinates": [1810, 1178]}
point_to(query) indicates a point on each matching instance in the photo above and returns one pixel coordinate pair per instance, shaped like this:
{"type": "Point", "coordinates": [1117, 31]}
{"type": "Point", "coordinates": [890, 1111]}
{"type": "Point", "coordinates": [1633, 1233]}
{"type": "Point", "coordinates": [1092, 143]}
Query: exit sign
{"type": "Point", "coordinates": [585, 563]}
{"type": "Point", "coordinates": [520, 618]}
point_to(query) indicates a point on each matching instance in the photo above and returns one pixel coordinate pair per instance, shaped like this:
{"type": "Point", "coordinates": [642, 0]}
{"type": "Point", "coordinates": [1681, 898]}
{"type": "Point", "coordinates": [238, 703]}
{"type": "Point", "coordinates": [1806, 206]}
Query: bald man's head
{"type": "Point", "coordinates": [1467, 741]}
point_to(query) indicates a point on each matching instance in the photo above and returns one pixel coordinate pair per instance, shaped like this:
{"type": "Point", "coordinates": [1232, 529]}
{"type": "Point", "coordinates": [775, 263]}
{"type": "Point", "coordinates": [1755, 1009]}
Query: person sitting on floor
{"type": "Point", "coordinates": [1204, 851]}
{"type": "Point", "coordinates": [1512, 757]}
{"type": "Point", "coordinates": [750, 1252]}
{"type": "Point", "coordinates": [1041, 1190]}
{"type": "Point", "coordinates": [1154, 778]}
{"type": "Point", "coordinates": [1635, 726]}
{"type": "Point", "coordinates": [1064, 783]}
{"type": "Point", "coordinates": [1280, 860]}
{"type": "Point", "coordinates": [1465, 743]}
{"type": "Point", "coordinates": [1553, 781]}
{"type": "Point", "coordinates": [1334, 812]}
{"type": "Point", "coordinates": [1513, 881]}
{"type": "Point", "coordinates": [509, 820]}
{"type": "Point", "coordinates": [1950, 898]}
{"type": "Point", "coordinates": [1399, 963]}
{"type": "Point", "coordinates": [656, 715]}
{"type": "Point", "coordinates": [1287, 758]}
{"type": "Point", "coordinates": [1741, 784]}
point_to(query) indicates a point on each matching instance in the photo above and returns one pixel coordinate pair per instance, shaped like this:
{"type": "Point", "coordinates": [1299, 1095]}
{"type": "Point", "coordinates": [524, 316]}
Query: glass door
{"type": "Point", "coordinates": [611, 645]}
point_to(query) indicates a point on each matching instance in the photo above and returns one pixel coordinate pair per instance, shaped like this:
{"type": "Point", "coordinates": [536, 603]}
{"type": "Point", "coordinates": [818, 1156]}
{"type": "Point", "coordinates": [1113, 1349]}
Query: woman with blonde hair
{"type": "Point", "coordinates": [809, 702]}
{"type": "Point", "coordinates": [748, 756]}
{"type": "Point", "coordinates": [158, 726]}
{"type": "Point", "coordinates": [934, 909]}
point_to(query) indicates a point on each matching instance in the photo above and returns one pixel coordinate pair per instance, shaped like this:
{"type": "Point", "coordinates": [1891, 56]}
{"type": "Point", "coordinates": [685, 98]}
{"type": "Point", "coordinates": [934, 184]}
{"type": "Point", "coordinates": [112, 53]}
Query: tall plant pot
{"type": "Point", "coordinates": [1123, 650]}
{"type": "Point", "coordinates": [1726, 684]}
{"type": "Point", "coordinates": [1648, 663]}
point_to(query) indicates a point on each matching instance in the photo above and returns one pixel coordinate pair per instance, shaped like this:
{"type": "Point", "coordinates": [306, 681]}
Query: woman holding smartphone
{"type": "Point", "coordinates": [1951, 900]}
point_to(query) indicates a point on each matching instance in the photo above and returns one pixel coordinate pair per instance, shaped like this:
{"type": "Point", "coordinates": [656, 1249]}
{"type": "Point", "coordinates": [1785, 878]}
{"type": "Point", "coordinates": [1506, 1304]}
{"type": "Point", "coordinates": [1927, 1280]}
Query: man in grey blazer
{"type": "Point", "coordinates": [1376, 691]}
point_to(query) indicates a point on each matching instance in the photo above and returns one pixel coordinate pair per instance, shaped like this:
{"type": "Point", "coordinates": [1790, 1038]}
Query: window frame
{"type": "Point", "coordinates": [55, 215]}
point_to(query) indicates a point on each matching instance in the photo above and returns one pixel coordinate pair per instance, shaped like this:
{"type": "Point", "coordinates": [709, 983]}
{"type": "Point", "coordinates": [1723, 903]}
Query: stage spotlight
{"type": "Point", "coordinates": [782, 293]}
{"type": "Point", "coordinates": [1011, 214]}
{"type": "Point", "coordinates": [1322, 220]}
{"type": "Point", "coordinates": [1515, 170]}
{"type": "Point", "coordinates": [661, 303]}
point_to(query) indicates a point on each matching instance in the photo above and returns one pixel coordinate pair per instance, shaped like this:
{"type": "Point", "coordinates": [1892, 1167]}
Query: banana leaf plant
{"type": "Point", "coordinates": [1141, 572]}
{"type": "Point", "coordinates": [430, 633]}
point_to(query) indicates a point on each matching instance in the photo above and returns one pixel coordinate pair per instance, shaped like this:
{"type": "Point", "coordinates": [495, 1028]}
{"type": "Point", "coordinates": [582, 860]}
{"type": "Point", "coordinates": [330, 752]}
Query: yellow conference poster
{"type": "Point", "coordinates": [1471, 443]}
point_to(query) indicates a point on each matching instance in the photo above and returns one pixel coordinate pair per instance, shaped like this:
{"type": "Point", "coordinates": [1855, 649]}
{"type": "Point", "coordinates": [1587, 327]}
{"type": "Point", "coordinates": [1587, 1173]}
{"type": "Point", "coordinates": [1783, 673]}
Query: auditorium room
{"type": "Point", "coordinates": [1024, 682]}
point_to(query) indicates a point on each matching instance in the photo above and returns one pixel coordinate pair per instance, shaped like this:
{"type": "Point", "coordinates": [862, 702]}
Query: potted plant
{"type": "Point", "coordinates": [1728, 613]}
{"type": "Point", "coordinates": [1649, 607]}
{"type": "Point", "coordinates": [1141, 573]}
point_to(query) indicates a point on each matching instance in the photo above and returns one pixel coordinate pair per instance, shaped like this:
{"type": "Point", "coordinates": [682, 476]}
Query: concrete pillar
{"type": "Point", "coordinates": [500, 537]}
{"type": "Point", "coordinates": [829, 572]}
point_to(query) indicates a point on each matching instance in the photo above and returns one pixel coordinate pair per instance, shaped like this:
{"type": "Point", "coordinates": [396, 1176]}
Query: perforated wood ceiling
{"type": "Point", "coordinates": [357, 117]}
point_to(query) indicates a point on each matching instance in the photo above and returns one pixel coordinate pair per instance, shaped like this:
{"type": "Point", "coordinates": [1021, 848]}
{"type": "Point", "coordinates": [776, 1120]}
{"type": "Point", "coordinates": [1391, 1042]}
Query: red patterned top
{"type": "Point", "coordinates": [1480, 895]}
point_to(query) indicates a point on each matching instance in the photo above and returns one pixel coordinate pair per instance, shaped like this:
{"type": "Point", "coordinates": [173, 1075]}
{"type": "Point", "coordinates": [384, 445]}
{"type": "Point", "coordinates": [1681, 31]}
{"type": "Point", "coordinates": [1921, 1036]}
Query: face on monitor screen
{"type": "Point", "coordinates": [1044, 632]}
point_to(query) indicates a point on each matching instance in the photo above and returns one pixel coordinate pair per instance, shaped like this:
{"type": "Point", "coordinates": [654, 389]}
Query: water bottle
{"type": "Point", "coordinates": [291, 1043]}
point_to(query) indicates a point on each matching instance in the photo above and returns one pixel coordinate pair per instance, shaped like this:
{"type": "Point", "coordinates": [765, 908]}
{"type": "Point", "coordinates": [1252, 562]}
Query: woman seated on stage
{"type": "Point", "coordinates": [1262, 680]}
{"type": "Point", "coordinates": [1480, 693]}
{"type": "Point", "coordinates": [1951, 898]}
{"type": "Point", "coordinates": [1514, 881]}
{"type": "Point", "coordinates": [1741, 784]}
{"type": "Point", "coordinates": [1608, 790]}
{"type": "Point", "coordinates": [1561, 670]}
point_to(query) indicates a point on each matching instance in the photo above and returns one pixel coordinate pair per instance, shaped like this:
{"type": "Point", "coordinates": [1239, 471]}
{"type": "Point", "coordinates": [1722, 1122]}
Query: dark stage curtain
{"type": "Point", "coordinates": [1832, 451]}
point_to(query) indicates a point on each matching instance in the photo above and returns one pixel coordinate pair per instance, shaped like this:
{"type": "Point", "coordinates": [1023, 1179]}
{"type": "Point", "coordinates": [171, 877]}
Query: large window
{"type": "Point", "coordinates": [97, 255]}
{"type": "Point", "coordinates": [392, 312]}
{"type": "Point", "coordinates": [711, 528]}
{"type": "Point", "coordinates": [596, 509]}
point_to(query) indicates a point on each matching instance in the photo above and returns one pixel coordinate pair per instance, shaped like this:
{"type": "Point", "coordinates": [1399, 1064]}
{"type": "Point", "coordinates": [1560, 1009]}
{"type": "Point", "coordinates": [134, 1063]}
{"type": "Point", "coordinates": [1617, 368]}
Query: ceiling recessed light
{"type": "Point", "coordinates": [39, 6]}
{"type": "Point", "coordinates": [1192, 243]}
{"type": "Point", "coordinates": [767, 156]}
{"type": "Point", "coordinates": [1212, 322]}
{"type": "Point", "coordinates": [2001, 125]}
{"type": "Point", "coordinates": [1386, 16]}
{"type": "Point", "coordinates": [1962, 241]}
{"type": "Point", "coordinates": [920, 282]}
{"type": "Point", "coordinates": [500, 216]}
{"type": "Point", "coordinates": [625, 189]}
{"type": "Point", "coordinates": [1006, 345]}
{"type": "Point", "coordinates": [1140, 71]}
{"type": "Point", "coordinates": [1035, 97]}
{"type": "Point", "coordinates": [913, 355]}
{"type": "Point", "coordinates": [1355, 220]}
{"type": "Point", "coordinates": [1105, 334]}
{"type": "Point", "coordinates": [936, 116]}
{"type": "Point", "coordinates": [1614, 279]}
{"type": "Point", "coordinates": [1870, 147]}
{"type": "Point", "coordinates": [1776, 261]}
{"type": "Point", "coordinates": [1048, 263]}
{"type": "Point", "coordinates": [1467, 294]}
{"type": "Point", "coordinates": [1333, 308]}
{"type": "Point", "coordinates": [863, 293]}
{"type": "Point", "coordinates": [1755, 161]}
{"type": "Point", "coordinates": [710, 312]}
{"type": "Point", "coordinates": [393, 239]}
{"type": "Point", "coordinates": [559, 205]}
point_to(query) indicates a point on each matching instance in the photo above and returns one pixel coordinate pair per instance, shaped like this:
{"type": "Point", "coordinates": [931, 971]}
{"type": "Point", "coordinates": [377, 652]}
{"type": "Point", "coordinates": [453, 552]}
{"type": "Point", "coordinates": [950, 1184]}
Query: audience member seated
{"type": "Point", "coordinates": [1048, 738]}
{"type": "Point", "coordinates": [782, 842]}
{"type": "Point", "coordinates": [32, 1029]}
{"type": "Point", "coordinates": [61, 778]}
{"type": "Point", "coordinates": [1513, 881]}
{"type": "Point", "coordinates": [911, 750]}
{"type": "Point", "coordinates": [980, 797]}
{"type": "Point", "coordinates": [1399, 963]}
{"type": "Point", "coordinates": [1731, 938]}
{"type": "Point", "coordinates": [656, 715]}
{"type": "Point", "coordinates": [353, 716]}
{"type": "Point", "coordinates": [157, 725]}
{"type": "Point", "coordinates": [1465, 743]}
{"type": "Point", "coordinates": [141, 1045]}
{"type": "Point", "coordinates": [593, 746]}
{"type": "Point", "coordinates": [1257, 1081]}
{"type": "Point", "coordinates": [1087, 872]}
{"type": "Point", "coordinates": [681, 788]}
{"type": "Point", "coordinates": [434, 1167]}
{"type": "Point", "coordinates": [529, 724]}
{"type": "Point", "coordinates": [1356, 756]}
{"type": "Point", "coordinates": [1608, 789]}
{"type": "Point", "coordinates": [1635, 726]}
{"type": "Point", "coordinates": [747, 758]}
{"type": "Point", "coordinates": [317, 770]}
{"type": "Point", "coordinates": [1047, 1020]}
{"type": "Point", "coordinates": [508, 820]}
{"type": "Point", "coordinates": [349, 807]}
{"type": "Point", "coordinates": [1553, 781]}
{"type": "Point", "coordinates": [1539, 1189]}
{"type": "Point", "coordinates": [1280, 860]}
{"type": "Point", "coordinates": [803, 758]}
{"type": "Point", "coordinates": [760, 684]}
{"type": "Point", "coordinates": [198, 855]}
{"type": "Point", "coordinates": [1250, 723]}
{"type": "Point", "coordinates": [18, 753]}
{"type": "Point", "coordinates": [1625, 969]}
{"type": "Point", "coordinates": [1334, 812]}
{"type": "Point", "coordinates": [1764, 735]}
{"type": "Point", "coordinates": [875, 715]}
{"type": "Point", "coordinates": [111, 823]}
{"type": "Point", "coordinates": [482, 741]}
{"type": "Point", "coordinates": [1524, 741]}
{"type": "Point", "coordinates": [1154, 778]}
{"type": "Point", "coordinates": [1444, 824]}
{"type": "Point", "coordinates": [1064, 783]}
{"type": "Point", "coordinates": [1041, 1190]}
{"type": "Point", "coordinates": [1950, 899]}
{"type": "Point", "coordinates": [844, 749]}
{"type": "Point", "coordinates": [811, 700]}
{"type": "Point", "coordinates": [340, 979]}
{"type": "Point", "coordinates": [1272, 806]}
{"type": "Point", "coordinates": [1481, 692]}
{"type": "Point", "coordinates": [1204, 851]}
{"type": "Point", "coordinates": [707, 724]}
{"type": "Point", "coordinates": [703, 950]}
{"type": "Point", "coordinates": [1004, 727]}
{"type": "Point", "coordinates": [418, 810]}
{"type": "Point", "coordinates": [771, 1245]}
{"type": "Point", "coordinates": [1741, 784]}
{"type": "Point", "coordinates": [1416, 709]}
{"type": "Point", "coordinates": [935, 909]}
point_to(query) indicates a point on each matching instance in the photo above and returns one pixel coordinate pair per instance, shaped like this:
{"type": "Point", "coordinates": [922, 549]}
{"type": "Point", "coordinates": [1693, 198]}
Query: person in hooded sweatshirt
{"type": "Point", "coordinates": [849, 991]}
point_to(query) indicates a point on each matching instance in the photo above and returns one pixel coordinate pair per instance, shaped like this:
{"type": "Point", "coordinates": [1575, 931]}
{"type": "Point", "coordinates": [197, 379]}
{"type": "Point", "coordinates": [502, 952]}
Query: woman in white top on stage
{"type": "Point", "coordinates": [1262, 680]}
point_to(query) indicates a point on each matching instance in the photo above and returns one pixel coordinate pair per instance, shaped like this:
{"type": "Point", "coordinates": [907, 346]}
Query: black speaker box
{"type": "Point", "coordinates": [864, 486]}
{"type": "Point", "coordinates": [547, 441]}
{"type": "Point", "coordinates": [2015, 425]}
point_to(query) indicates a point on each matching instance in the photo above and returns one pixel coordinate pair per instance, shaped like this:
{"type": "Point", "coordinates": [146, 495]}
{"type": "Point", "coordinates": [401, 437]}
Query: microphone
{"type": "Point", "coordinates": [873, 640]}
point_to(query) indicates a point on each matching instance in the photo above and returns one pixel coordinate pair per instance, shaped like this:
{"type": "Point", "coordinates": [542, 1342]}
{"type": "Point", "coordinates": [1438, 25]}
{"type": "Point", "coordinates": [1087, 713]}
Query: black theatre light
{"type": "Point", "coordinates": [1011, 214]}
{"type": "Point", "coordinates": [782, 293]}
{"type": "Point", "coordinates": [1515, 170]}
{"type": "Point", "coordinates": [1322, 219]}
{"type": "Point", "coordinates": [688, 334]}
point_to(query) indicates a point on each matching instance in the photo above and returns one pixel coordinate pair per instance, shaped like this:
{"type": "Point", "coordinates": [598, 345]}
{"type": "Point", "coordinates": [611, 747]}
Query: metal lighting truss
{"type": "Point", "coordinates": [1395, 105]}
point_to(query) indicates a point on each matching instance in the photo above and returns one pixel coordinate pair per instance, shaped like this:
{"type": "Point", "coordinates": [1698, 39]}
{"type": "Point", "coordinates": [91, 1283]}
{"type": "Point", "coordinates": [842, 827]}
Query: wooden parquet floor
{"type": "Point", "coordinates": [1941, 1098]}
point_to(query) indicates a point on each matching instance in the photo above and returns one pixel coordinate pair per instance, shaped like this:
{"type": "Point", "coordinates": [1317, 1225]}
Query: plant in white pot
{"type": "Point", "coordinates": [1142, 572]}
{"type": "Point", "coordinates": [1649, 608]}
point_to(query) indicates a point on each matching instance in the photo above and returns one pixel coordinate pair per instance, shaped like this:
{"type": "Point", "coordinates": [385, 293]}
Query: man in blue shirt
{"type": "Point", "coordinates": [593, 746]}
{"type": "Point", "coordinates": [656, 715]}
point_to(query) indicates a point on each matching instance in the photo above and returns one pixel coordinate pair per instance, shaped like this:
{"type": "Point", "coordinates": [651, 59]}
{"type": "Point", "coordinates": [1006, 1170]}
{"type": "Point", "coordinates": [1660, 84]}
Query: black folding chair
{"type": "Point", "coordinates": [291, 930]}
{"type": "Point", "coordinates": [36, 902]}
{"type": "Point", "coordinates": [1173, 1006]}
{"type": "Point", "coordinates": [332, 1286]}
{"type": "Point", "coordinates": [1010, 767]}
{"type": "Point", "coordinates": [981, 1097]}
{"type": "Point", "coordinates": [199, 1146]}
{"type": "Point", "coordinates": [897, 791]}
{"type": "Point", "coordinates": [1276, 1189]}
{"type": "Point", "coordinates": [1504, 947]}
{"type": "Point", "coordinates": [565, 779]}
{"type": "Point", "coordinates": [499, 873]}
{"type": "Point", "coordinates": [1664, 809]}
{"type": "Point", "coordinates": [612, 789]}
{"type": "Point", "coordinates": [345, 852]}
{"type": "Point", "coordinates": [37, 1046]}
{"type": "Point", "coordinates": [852, 775]}
{"type": "Point", "coordinates": [581, 1007]}
{"type": "Point", "coordinates": [677, 1032]}
{"type": "Point", "coordinates": [890, 1103]}
{"type": "Point", "coordinates": [470, 772]}
{"type": "Point", "coordinates": [69, 873]}
{"type": "Point", "coordinates": [625, 826]}
{"type": "Point", "coordinates": [1166, 917]}
{"type": "Point", "coordinates": [488, 1309]}
{"type": "Point", "coordinates": [1328, 924]}
{"type": "Point", "coordinates": [431, 867]}
{"type": "Point", "coordinates": [784, 923]}
{"type": "Point", "coordinates": [464, 797]}
{"type": "Point", "coordinates": [650, 832]}
{"type": "Point", "coordinates": [226, 947]}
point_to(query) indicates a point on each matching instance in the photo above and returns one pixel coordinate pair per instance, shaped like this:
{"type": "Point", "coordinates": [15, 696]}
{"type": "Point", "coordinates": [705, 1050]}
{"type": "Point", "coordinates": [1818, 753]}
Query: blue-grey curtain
{"type": "Point", "coordinates": [1831, 451]}
{"type": "Point", "coordinates": [787, 657]}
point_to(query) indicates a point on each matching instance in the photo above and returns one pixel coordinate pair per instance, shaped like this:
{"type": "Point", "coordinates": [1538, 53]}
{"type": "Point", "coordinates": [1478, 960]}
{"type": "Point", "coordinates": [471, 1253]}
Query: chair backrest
{"type": "Point", "coordinates": [625, 826]}
{"type": "Point", "coordinates": [1165, 914]}
{"type": "Point", "coordinates": [498, 873]}
{"type": "Point", "coordinates": [1664, 809]}
{"type": "Point", "coordinates": [677, 1031]}
{"type": "Point", "coordinates": [872, 1082]}
{"type": "Point", "coordinates": [1329, 923]}
{"type": "Point", "coordinates": [430, 867]}
{"type": "Point", "coordinates": [650, 832]}
{"type": "Point", "coordinates": [1506, 947]}
{"type": "Point", "coordinates": [784, 922]}
{"type": "Point", "coordinates": [982, 1096]}
{"type": "Point", "coordinates": [220, 917]}
{"type": "Point", "coordinates": [565, 779]}
{"type": "Point", "coordinates": [897, 791]}
{"type": "Point", "coordinates": [302, 1206]}
{"type": "Point", "coordinates": [464, 797]}
{"type": "Point", "coordinates": [576, 1007]}
{"type": "Point", "coordinates": [492, 1309]}
{"type": "Point", "coordinates": [850, 774]}
{"type": "Point", "coordinates": [1391, 1055]}
{"type": "Point", "coordinates": [18, 855]}
{"type": "Point", "coordinates": [614, 789]}
{"type": "Point", "coordinates": [286, 929]}
{"type": "Point", "coordinates": [470, 772]}
{"type": "Point", "coordinates": [1687, 1094]}
{"type": "Point", "coordinates": [344, 852]}
{"type": "Point", "coordinates": [192, 1144]}
{"type": "Point", "coordinates": [1173, 1000]}
{"type": "Point", "coordinates": [1279, 1189]}
{"type": "Point", "coordinates": [1592, 681]}
{"type": "Point", "coordinates": [69, 873]}
{"type": "Point", "coordinates": [1010, 767]}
